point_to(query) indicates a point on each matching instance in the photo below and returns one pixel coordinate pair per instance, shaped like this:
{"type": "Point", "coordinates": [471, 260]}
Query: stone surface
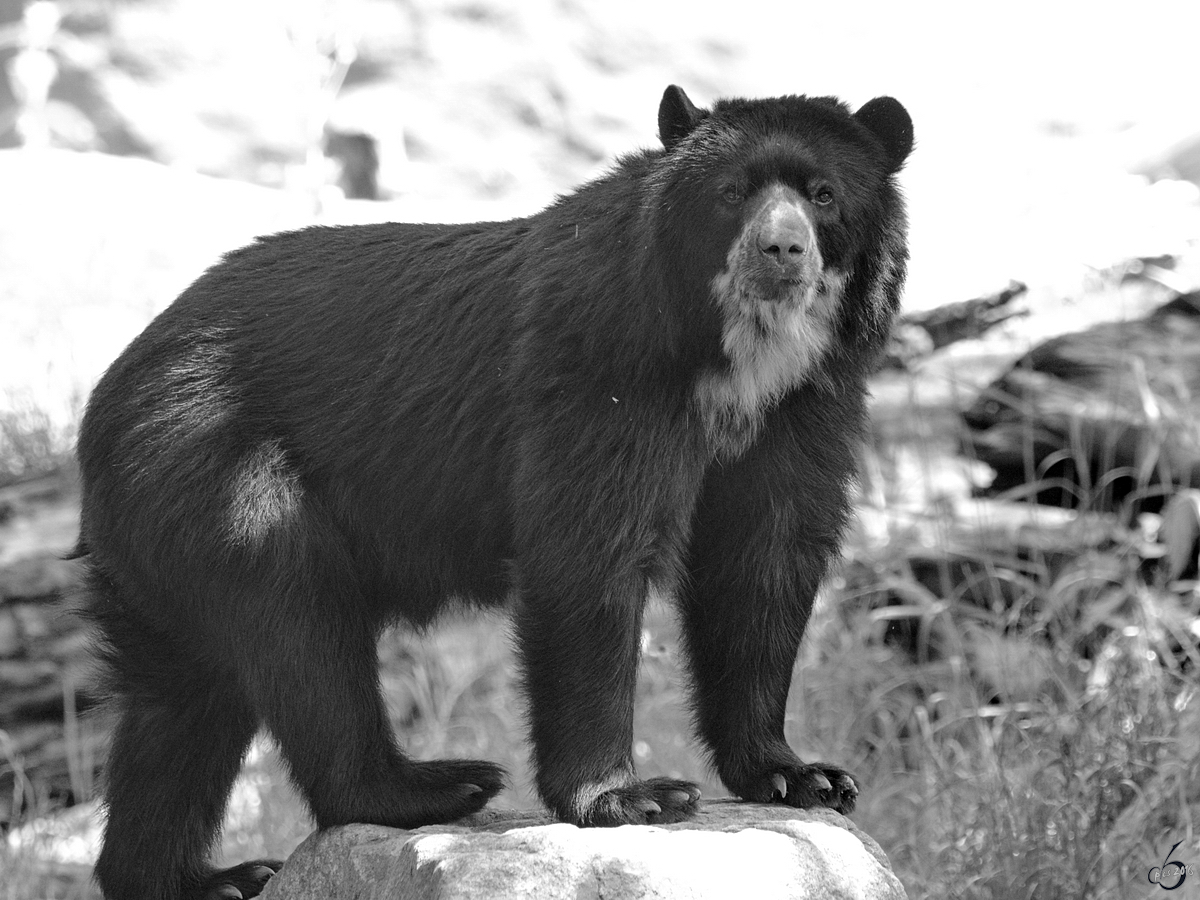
{"type": "Point", "coordinates": [731, 850]}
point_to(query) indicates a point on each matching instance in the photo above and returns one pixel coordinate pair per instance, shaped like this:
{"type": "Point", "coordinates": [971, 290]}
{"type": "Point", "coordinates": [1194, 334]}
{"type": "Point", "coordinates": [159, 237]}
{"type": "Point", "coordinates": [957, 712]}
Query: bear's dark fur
{"type": "Point", "coordinates": [658, 381]}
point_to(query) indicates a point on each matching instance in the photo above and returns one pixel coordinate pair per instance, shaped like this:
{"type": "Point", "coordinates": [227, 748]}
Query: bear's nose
{"type": "Point", "coordinates": [785, 242]}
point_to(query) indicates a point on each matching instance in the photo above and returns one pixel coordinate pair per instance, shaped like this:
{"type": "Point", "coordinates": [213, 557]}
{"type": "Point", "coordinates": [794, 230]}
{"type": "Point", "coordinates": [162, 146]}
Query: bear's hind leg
{"type": "Point", "coordinates": [314, 679]}
{"type": "Point", "coordinates": [183, 730]}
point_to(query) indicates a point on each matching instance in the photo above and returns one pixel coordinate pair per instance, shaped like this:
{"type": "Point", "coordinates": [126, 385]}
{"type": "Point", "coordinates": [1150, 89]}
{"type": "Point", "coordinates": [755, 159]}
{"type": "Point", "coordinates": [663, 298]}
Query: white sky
{"type": "Point", "coordinates": [992, 193]}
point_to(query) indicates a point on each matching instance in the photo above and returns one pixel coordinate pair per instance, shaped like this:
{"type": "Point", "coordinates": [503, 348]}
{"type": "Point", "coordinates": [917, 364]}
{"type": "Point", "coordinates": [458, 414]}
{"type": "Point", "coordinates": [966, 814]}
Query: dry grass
{"type": "Point", "coordinates": [1054, 758]}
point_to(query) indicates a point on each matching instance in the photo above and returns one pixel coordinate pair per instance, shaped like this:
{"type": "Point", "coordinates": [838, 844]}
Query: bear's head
{"type": "Point", "coordinates": [783, 223]}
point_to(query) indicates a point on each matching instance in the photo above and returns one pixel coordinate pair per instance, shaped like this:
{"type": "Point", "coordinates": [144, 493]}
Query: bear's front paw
{"type": "Point", "coordinates": [805, 785]}
{"type": "Point", "coordinates": [656, 801]}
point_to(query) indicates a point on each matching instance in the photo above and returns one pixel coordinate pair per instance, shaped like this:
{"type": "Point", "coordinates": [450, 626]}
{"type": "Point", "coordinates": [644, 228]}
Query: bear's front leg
{"type": "Point", "coordinates": [741, 648]}
{"type": "Point", "coordinates": [602, 491]}
{"type": "Point", "coordinates": [580, 653]}
{"type": "Point", "coordinates": [741, 643]}
{"type": "Point", "coordinates": [766, 528]}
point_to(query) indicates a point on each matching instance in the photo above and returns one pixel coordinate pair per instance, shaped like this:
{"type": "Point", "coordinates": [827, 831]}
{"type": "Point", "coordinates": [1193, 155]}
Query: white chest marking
{"type": "Point", "coordinates": [771, 347]}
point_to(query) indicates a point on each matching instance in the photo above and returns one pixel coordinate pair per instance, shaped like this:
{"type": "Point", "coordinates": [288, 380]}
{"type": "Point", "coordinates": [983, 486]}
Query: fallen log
{"type": "Point", "coordinates": [918, 334]}
{"type": "Point", "coordinates": [1097, 416]}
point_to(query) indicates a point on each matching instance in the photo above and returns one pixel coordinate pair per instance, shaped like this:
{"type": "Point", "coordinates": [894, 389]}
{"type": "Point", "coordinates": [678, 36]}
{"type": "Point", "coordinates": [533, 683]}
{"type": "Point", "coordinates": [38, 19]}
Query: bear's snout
{"type": "Point", "coordinates": [784, 237]}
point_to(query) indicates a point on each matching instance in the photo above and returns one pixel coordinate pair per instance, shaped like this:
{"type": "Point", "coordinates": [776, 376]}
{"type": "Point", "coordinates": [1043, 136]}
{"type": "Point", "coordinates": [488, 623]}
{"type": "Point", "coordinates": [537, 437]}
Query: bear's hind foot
{"type": "Point", "coordinates": [431, 792]}
{"type": "Point", "coordinates": [239, 882]}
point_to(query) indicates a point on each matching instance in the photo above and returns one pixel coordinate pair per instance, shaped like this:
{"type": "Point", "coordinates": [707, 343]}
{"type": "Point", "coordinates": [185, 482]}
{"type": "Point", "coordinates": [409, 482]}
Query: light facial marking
{"type": "Point", "coordinates": [891, 260]}
{"type": "Point", "coordinates": [782, 222]}
{"type": "Point", "coordinates": [775, 333]}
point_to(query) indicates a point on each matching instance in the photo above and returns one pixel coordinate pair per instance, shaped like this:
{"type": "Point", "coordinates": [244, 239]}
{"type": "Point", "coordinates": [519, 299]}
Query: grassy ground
{"type": "Point", "coordinates": [1042, 746]}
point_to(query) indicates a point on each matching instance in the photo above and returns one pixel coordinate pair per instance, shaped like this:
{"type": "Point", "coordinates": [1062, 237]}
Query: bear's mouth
{"type": "Point", "coordinates": [795, 290]}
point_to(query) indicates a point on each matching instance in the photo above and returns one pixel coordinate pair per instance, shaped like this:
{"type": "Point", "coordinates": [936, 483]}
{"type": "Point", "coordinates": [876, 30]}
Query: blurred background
{"type": "Point", "coordinates": [1040, 130]}
{"type": "Point", "coordinates": [1013, 680]}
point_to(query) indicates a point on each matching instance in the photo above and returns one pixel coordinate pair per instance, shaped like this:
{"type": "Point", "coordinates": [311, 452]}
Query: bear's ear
{"type": "Point", "coordinates": [677, 116]}
{"type": "Point", "coordinates": [890, 123]}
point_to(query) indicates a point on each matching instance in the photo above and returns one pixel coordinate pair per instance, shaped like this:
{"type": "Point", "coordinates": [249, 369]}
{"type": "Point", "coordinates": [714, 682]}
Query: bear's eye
{"type": "Point", "coordinates": [732, 193]}
{"type": "Point", "coordinates": [823, 196]}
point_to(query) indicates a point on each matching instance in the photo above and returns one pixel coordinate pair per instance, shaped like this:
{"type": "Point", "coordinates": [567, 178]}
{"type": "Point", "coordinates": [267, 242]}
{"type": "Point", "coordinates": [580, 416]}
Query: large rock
{"type": "Point", "coordinates": [731, 850]}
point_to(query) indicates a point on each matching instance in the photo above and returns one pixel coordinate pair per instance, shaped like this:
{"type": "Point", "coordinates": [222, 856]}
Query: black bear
{"type": "Point", "coordinates": [657, 381]}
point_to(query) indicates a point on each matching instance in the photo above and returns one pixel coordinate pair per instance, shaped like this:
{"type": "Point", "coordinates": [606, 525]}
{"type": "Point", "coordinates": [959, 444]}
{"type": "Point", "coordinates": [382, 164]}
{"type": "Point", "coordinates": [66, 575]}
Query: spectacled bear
{"type": "Point", "coordinates": [658, 381]}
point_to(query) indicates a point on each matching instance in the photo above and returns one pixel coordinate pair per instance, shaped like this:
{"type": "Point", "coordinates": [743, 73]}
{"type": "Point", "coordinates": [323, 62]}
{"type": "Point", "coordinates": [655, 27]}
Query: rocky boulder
{"type": "Point", "coordinates": [730, 850]}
